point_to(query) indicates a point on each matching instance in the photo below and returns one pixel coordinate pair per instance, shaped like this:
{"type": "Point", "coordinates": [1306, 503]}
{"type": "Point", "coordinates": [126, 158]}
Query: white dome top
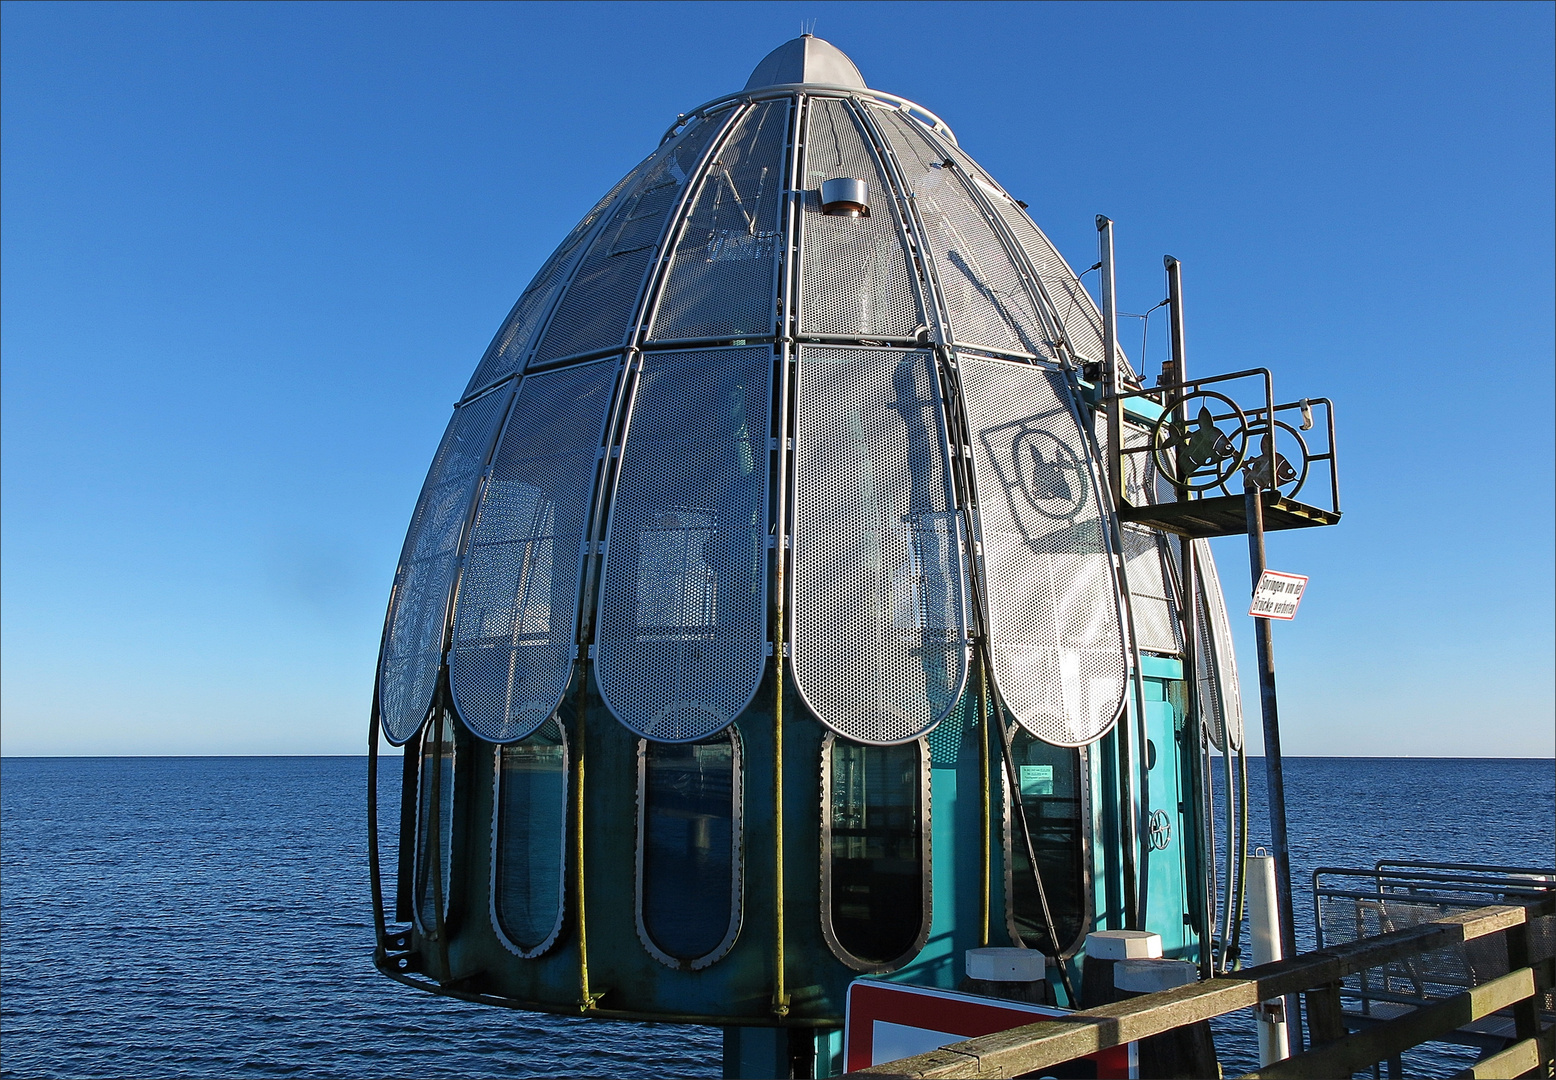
{"type": "Point", "coordinates": [806, 59]}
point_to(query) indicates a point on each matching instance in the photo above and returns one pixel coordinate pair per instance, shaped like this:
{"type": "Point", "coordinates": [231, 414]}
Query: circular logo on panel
{"type": "Point", "coordinates": [1053, 477]}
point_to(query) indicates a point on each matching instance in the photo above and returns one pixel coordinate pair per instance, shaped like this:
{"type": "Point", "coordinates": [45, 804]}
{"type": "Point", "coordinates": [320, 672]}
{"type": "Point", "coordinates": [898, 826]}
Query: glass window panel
{"type": "Point", "coordinates": [437, 771]}
{"type": "Point", "coordinates": [1049, 777]}
{"type": "Point", "coordinates": [689, 797]}
{"type": "Point", "coordinates": [531, 836]}
{"type": "Point", "coordinates": [877, 868]}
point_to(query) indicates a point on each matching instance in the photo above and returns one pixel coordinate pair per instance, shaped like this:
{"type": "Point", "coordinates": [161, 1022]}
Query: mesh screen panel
{"type": "Point", "coordinates": [1158, 623]}
{"type": "Point", "coordinates": [682, 632]}
{"type": "Point", "coordinates": [515, 620]}
{"type": "Point", "coordinates": [413, 646]}
{"type": "Point", "coordinates": [1057, 643]}
{"type": "Point", "coordinates": [987, 303]}
{"type": "Point", "coordinates": [1424, 976]}
{"type": "Point", "coordinates": [855, 278]}
{"type": "Point", "coordinates": [600, 304]}
{"type": "Point", "coordinates": [1076, 310]}
{"type": "Point", "coordinates": [721, 280]}
{"type": "Point", "coordinates": [1221, 701]}
{"type": "Point", "coordinates": [1073, 305]}
{"type": "Point", "coordinates": [879, 627]}
{"type": "Point", "coordinates": [513, 340]}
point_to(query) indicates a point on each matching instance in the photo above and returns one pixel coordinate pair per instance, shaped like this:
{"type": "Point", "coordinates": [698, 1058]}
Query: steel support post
{"type": "Point", "coordinates": [1275, 783]}
{"type": "Point", "coordinates": [1130, 808]}
{"type": "Point", "coordinates": [1194, 747]}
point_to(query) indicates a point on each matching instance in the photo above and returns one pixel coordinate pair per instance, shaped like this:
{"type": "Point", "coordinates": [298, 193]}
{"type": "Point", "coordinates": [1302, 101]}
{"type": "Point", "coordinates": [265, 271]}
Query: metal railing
{"type": "Point", "coordinates": [1351, 903]}
{"type": "Point", "coordinates": [1333, 1049]}
{"type": "Point", "coordinates": [1257, 436]}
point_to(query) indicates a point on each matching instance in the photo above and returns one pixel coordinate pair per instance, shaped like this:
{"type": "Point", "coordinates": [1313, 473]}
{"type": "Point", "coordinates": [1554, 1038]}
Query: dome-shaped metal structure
{"type": "Point", "coordinates": [782, 480]}
{"type": "Point", "coordinates": [633, 405]}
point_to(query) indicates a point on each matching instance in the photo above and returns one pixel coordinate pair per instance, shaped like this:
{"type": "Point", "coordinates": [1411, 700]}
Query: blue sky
{"type": "Point", "coordinates": [251, 253]}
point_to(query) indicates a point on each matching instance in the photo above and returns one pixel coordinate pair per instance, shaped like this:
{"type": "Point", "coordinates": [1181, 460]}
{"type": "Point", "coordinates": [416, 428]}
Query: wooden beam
{"type": "Point", "coordinates": [1385, 1040]}
{"type": "Point", "coordinates": [1324, 1019]}
{"type": "Point", "coordinates": [1530, 1057]}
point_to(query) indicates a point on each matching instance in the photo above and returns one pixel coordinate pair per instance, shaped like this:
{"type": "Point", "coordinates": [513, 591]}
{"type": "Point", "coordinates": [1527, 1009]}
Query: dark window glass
{"type": "Point", "coordinates": [437, 771]}
{"type": "Point", "coordinates": [689, 803]}
{"type": "Point", "coordinates": [531, 836]}
{"type": "Point", "coordinates": [1051, 798]}
{"type": "Point", "coordinates": [877, 868]}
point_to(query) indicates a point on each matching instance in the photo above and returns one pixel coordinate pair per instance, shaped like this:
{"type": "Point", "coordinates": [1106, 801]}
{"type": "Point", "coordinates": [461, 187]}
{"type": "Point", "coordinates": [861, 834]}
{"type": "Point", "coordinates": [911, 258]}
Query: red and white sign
{"type": "Point", "coordinates": [1277, 595]}
{"type": "Point", "coordinates": [886, 1021]}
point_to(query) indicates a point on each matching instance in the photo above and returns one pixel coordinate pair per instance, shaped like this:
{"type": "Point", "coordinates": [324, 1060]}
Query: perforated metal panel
{"type": "Point", "coordinates": [1073, 305]}
{"type": "Point", "coordinates": [985, 298]}
{"type": "Point", "coordinates": [602, 301]}
{"type": "Point", "coordinates": [879, 588]}
{"type": "Point", "coordinates": [1150, 556]}
{"type": "Point", "coordinates": [1053, 601]}
{"type": "Point", "coordinates": [1158, 624]}
{"type": "Point", "coordinates": [1220, 699]}
{"type": "Point", "coordinates": [721, 280]}
{"type": "Point", "coordinates": [682, 632]}
{"type": "Point", "coordinates": [515, 618]}
{"type": "Point", "coordinates": [418, 610]}
{"type": "Point", "coordinates": [855, 276]}
{"type": "Point", "coordinates": [507, 350]}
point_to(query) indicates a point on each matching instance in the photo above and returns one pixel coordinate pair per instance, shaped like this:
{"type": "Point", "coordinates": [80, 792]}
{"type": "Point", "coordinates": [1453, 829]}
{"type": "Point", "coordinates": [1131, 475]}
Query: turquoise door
{"type": "Point", "coordinates": [1162, 834]}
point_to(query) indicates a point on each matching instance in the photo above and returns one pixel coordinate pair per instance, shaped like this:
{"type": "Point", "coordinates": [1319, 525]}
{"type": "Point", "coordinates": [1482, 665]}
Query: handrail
{"type": "Point", "coordinates": [1049, 1042]}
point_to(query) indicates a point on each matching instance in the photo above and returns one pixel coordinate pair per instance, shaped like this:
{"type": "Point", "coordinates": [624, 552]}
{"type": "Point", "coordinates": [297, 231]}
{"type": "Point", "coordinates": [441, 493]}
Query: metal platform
{"type": "Point", "coordinates": [1227, 515]}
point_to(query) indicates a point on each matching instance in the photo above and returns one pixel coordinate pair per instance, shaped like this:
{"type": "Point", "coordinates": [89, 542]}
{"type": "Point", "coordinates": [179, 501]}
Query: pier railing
{"type": "Point", "coordinates": [1319, 976]}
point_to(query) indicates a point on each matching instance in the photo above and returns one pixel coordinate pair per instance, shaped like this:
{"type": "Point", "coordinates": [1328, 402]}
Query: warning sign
{"type": "Point", "coordinates": [1277, 595]}
{"type": "Point", "coordinates": [887, 1021]}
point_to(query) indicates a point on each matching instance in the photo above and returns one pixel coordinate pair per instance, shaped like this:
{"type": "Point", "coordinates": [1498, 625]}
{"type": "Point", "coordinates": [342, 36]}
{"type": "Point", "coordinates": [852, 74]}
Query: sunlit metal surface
{"type": "Point", "coordinates": [1054, 622]}
{"type": "Point", "coordinates": [880, 632]}
{"type": "Point", "coordinates": [515, 623]}
{"type": "Point", "coordinates": [682, 628]}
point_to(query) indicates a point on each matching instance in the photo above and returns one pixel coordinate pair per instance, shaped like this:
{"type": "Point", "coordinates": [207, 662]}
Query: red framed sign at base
{"type": "Point", "coordinates": [886, 1021]}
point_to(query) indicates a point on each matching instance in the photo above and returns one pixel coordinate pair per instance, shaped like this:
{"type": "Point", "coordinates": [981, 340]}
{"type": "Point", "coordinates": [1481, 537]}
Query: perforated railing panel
{"type": "Point", "coordinates": [418, 612]}
{"type": "Point", "coordinates": [1220, 699]}
{"type": "Point", "coordinates": [515, 618]}
{"type": "Point", "coordinates": [721, 279]}
{"type": "Point", "coordinates": [513, 341]}
{"type": "Point", "coordinates": [682, 632]}
{"type": "Point", "coordinates": [985, 298]}
{"type": "Point", "coordinates": [855, 278]}
{"type": "Point", "coordinates": [1158, 625]}
{"type": "Point", "coordinates": [879, 589]}
{"type": "Point", "coordinates": [1052, 595]}
{"type": "Point", "coordinates": [602, 300]}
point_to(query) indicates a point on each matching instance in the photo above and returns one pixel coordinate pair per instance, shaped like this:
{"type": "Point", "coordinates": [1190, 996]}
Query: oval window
{"type": "Point", "coordinates": [875, 852]}
{"type": "Point", "coordinates": [1050, 779]}
{"type": "Point", "coordinates": [530, 839]}
{"type": "Point", "coordinates": [435, 801]}
{"type": "Point", "coordinates": [689, 891]}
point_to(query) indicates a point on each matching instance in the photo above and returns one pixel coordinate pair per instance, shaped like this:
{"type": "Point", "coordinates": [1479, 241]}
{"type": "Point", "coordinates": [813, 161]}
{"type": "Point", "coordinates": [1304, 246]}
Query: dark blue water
{"type": "Point", "coordinates": [210, 917]}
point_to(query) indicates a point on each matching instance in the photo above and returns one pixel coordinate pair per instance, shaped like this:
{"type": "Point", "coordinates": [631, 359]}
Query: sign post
{"type": "Point", "coordinates": [1275, 781]}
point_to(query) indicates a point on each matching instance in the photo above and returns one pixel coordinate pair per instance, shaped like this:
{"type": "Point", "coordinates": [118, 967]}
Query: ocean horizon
{"type": "Point", "coordinates": [202, 916]}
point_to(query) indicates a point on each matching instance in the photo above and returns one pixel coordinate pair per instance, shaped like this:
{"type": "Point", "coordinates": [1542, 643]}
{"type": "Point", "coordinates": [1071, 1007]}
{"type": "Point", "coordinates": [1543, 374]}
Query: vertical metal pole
{"type": "Point", "coordinates": [1109, 289]}
{"type": "Point", "coordinates": [1188, 575]}
{"type": "Point", "coordinates": [1275, 784]}
{"type": "Point", "coordinates": [1128, 810]}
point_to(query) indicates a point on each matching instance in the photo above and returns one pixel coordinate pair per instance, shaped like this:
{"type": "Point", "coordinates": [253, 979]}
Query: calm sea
{"type": "Point", "coordinates": [209, 917]}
